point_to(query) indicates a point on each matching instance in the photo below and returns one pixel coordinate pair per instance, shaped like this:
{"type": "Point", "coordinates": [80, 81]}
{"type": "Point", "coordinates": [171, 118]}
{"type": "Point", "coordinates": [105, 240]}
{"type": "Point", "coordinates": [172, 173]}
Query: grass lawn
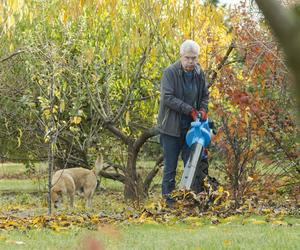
{"type": "Point", "coordinates": [223, 236]}
{"type": "Point", "coordinates": [18, 168]}
{"type": "Point", "coordinates": [27, 185]}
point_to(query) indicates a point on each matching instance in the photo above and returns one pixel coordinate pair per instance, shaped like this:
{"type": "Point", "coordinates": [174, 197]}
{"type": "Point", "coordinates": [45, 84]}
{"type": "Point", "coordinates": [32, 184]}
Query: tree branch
{"type": "Point", "coordinates": [144, 137]}
{"type": "Point", "coordinates": [11, 55]}
{"type": "Point", "coordinates": [113, 176]}
{"type": "Point", "coordinates": [108, 165]}
{"type": "Point", "coordinates": [221, 64]}
{"type": "Point", "coordinates": [136, 78]}
{"type": "Point", "coordinates": [152, 174]}
{"type": "Point", "coordinates": [108, 124]}
{"type": "Point", "coordinates": [126, 139]}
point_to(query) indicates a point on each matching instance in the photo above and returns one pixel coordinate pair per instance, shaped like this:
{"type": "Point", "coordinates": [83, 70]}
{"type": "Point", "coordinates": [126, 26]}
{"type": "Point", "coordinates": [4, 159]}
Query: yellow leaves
{"type": "Point", "coordinates": [62, 106]}
{"type": "Point", "coordinates": [74, 129]}
{"type": "Point", "coordinates": [3, 238]}
{"type": "Point", "coordinates": [56, 222]}
{"type": "Point", "coordinates": [211, 105]}
{"type": "Point", "coordinates": [14, 5]}
{"type": "Point", "coordinates": [214, 92]}
{"type": "Point", "coordinates": [127, 118]}
{"type": "Point", "coordinates": [10, 22]}
{"type": "Point", "coordinates": [153, 206]}
{"type": "Point", "coordinates": [150, 221]}
{"type": "Point", "coordinates": [30, 17]}
{"type": "Point", "coordinates": [231, 218]}
{"type": "Point", "coordinates": [76, 120]}
{"type": "Point", "coordinates": [143, 216]}
{"type": "Point", "coordinates": [227, 243]}
{"type": "Point", "coordinates": [55, 227]}
{"type": "Point", "coordinates": [89, 55]}
{"type": "Point", "coordinates": [1, 9]}
{"type": "Point", "coordinates": [195, 221]}
{"type": "Point", "coordinates": [38, 220]}
{"type": "Point", "coordinates": [11, 13]}
{"type": "Point", "coordinates": [11, 47]}
{"type": "Point", "coordinates": [239, 75]}
{"type": "Point", "coordinates": [247, 116]}
{"type": "Point", "coordinates": [249, 179]}
{"type": "Point", "coordinates": [19, 137]}
{"type": "Point", "coordinates": [47, 113]}
{"type": "Point", "coordinates": [146, 218]}
{"type": "Point", "coordinates": [259, 222]}
{"type": "Point", "coordinates": [279, 223]}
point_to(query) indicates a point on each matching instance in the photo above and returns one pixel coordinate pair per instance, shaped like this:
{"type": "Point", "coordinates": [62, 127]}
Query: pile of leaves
{"type": "Point", "coordinates": [214, 203]}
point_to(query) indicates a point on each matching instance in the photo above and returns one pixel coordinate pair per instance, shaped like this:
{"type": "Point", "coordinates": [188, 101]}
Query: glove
{"type": "Point", "coordinates": [203, 115]}
{"type": "Point", "coordinates": [194, 114]}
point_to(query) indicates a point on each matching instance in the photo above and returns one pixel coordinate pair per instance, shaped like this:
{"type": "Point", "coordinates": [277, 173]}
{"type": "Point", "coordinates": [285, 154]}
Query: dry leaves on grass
{"type": "Point", "coordinates": [213, 206]}
{"type": "Point", "coordinates": [57, 222]}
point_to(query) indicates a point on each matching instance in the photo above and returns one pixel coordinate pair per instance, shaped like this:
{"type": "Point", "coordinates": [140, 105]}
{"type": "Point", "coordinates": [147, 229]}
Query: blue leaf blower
{"type": "Point", "coordinates": [198, 137]}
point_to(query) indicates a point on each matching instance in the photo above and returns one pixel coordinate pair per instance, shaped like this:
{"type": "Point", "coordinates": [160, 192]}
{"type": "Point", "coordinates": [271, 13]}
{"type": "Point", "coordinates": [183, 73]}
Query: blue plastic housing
{"type": "Point", "coordinates": [199, 132]}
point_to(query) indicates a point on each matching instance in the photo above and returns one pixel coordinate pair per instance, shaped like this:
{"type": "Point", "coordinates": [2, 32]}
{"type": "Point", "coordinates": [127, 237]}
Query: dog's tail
{"type": "Point", "coordinates": [98, 164]}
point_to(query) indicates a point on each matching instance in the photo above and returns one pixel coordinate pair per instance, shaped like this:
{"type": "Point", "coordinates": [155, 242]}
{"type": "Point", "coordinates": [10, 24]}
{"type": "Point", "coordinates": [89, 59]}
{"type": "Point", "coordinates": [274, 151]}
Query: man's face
{"type": "Point", "coordinates": [189, 61]}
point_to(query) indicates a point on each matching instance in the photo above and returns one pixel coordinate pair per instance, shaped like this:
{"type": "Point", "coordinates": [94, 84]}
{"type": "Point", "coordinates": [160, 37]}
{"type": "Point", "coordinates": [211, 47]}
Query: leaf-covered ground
{"type": "Point", "coordinates": [114, 223]}
{"type": "Point", "coordinates": [29, 211]}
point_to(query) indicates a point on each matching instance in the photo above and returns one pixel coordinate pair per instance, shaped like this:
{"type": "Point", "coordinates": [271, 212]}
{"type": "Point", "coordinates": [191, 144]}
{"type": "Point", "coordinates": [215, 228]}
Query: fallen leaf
{"type": "Point", "coordinates": [2, 237]}
{"type": "Point", "coordinates": [227, 242]}
{"type": "Point", "coordinates": [279, 222]}
{"type": "Point", "coordinates": [258, 222]}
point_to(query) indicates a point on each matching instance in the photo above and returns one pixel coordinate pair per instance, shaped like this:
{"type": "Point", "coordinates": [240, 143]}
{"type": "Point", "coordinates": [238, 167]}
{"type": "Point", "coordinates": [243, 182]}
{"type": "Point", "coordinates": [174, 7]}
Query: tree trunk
{"type": "Point", "coordinates": [133, 189]}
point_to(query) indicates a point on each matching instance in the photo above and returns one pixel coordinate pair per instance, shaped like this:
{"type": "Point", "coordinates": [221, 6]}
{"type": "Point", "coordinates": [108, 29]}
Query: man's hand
{"type": "Point", "coordinates": [203, 115]}
{"type": "Point", "coordinates": [194, 114]}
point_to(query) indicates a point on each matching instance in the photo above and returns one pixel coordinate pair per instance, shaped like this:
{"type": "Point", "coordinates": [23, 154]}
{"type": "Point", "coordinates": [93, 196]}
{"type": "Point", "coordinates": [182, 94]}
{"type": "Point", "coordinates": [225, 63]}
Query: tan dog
{"type": "Point", "coordinates": [68, 181]}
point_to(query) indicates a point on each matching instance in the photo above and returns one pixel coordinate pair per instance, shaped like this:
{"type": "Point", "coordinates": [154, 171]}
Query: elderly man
{"type": "Point", "coordinates": [184, 95]}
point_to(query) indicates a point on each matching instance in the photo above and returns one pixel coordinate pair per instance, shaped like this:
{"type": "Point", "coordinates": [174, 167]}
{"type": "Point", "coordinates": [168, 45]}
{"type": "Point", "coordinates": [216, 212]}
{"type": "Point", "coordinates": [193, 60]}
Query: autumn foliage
{"type": "Point", "coordinates": [104, 60]}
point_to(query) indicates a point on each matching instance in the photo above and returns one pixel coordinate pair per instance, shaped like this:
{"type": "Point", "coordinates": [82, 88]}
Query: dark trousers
{"type": "Point", "coordinates": [172, 146]}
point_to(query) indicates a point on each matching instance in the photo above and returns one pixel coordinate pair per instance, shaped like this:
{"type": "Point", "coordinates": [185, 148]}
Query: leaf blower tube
{"type": "Point", "coordinates": [197, 138]}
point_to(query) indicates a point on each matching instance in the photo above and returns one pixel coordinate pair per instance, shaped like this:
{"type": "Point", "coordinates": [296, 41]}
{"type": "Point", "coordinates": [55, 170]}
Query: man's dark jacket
{"type": "Point", "coordinates": [171, 98]}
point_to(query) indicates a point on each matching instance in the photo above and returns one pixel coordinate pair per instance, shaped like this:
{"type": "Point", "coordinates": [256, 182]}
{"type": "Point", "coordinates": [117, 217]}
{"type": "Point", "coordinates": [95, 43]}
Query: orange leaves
{"type": "Point", "coordinates": [240, 98]}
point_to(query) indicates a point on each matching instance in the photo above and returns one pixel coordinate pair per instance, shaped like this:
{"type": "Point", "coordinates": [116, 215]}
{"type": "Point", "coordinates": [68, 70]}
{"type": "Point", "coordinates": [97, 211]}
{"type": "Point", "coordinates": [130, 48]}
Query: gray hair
{"type": "Point", "coordinates": [189, 46]}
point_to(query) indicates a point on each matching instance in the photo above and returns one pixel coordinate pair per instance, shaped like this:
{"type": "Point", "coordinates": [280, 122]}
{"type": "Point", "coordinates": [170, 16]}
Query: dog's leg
{"type": "Point", "coordinates": [70, 186]}
{"type": "Point", "coordinates": [89, 196]}
{"type": "Point", "coordinates": [72, 199]}
{"type": "Point", "coordinates": [89, 203]}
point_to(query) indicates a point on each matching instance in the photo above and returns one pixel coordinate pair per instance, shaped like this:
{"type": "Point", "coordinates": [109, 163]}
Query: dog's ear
{"type": "Point", "coordinates": [98, 163]}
